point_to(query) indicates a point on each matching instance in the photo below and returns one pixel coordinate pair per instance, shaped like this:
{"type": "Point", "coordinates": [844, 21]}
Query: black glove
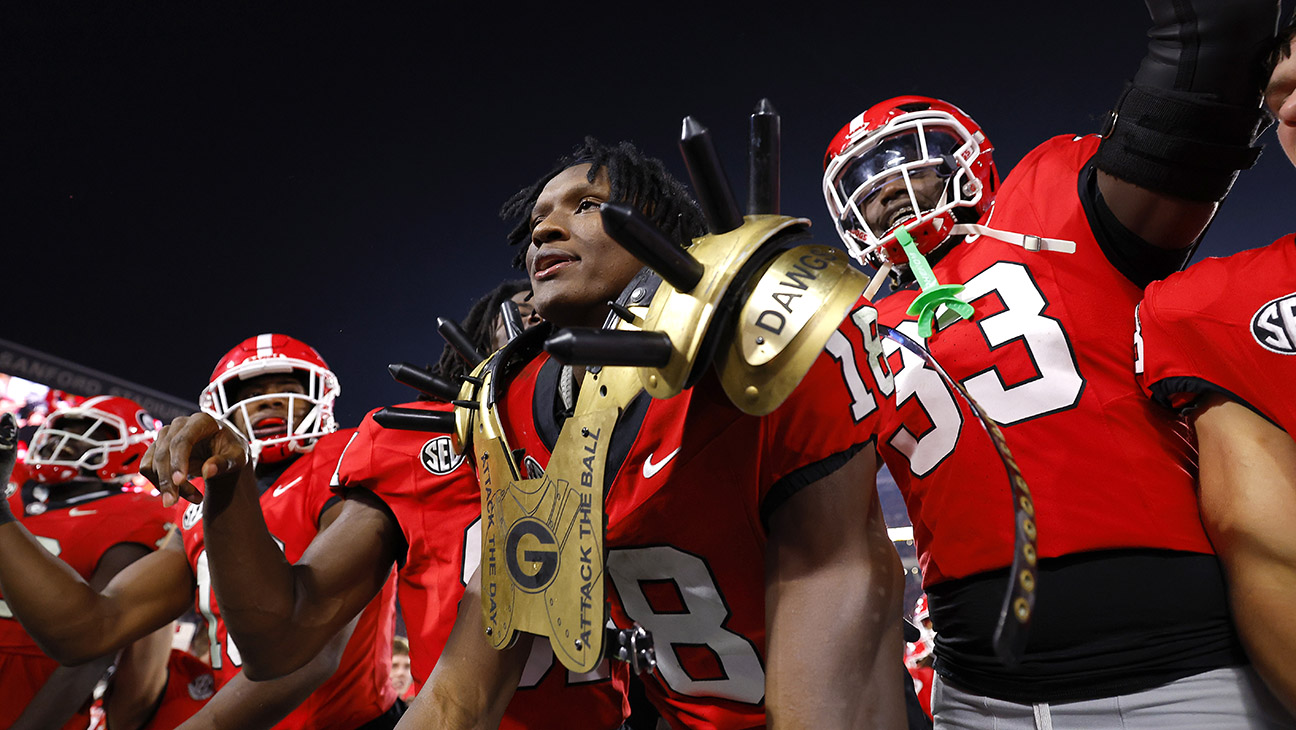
{"type": "Point", "coordinates": [8, 456]}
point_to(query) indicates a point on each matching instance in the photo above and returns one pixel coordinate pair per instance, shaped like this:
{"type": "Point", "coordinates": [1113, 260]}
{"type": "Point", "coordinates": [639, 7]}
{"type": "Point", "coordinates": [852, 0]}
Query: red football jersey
{"type": "Point", "coordinates": [21, 677]}
{"type": "Point", "coordinates": [79, 532]}
{"type": "Point", "coordinates": [358, 691]}
{"type": "Point", "coordinates": [1047, 355]}
{"type": "Point", "coordinates": [433, 492]}
{"type": "Point", "coordinates": [687, 509]}
{"type": "Point", "coordinates": [1225, 324]}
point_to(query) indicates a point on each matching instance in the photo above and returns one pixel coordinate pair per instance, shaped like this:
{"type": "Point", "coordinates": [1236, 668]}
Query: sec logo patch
{"type": "Point", "coordinates": [192, 516]}
{"type": "Point", "coordinates": [202, 687]}
{"type": "Point", "coordinates": [439, 457]}
{"type": "Point", "coordinates": [1274, 325]}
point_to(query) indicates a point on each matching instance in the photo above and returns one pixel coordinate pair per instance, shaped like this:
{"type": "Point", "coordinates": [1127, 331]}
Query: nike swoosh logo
{"type": "Point", "coordinates": [281, 489]}
{"type": "Point", "coordinates": [651, 469]}
{"type": "Point", "coordinates": [76, 512]}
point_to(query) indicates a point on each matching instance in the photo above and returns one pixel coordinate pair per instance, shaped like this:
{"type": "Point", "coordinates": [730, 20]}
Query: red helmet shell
{"type": "Point", "coordinates": [969, 162]}
{"type": "Point", "coordinates": [114, 433]}
{"type": "Point", "coordinates": [268, 354]}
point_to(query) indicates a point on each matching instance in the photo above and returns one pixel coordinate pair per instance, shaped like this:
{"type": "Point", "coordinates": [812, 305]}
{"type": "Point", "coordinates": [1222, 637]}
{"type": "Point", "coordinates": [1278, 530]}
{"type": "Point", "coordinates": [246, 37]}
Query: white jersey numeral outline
{"type": "Point", "coordinates": [843, 351]}
{"type": "Point", "coordinates": [701, 623]}
{"type": "Point", "coordinates": [1057, 386]}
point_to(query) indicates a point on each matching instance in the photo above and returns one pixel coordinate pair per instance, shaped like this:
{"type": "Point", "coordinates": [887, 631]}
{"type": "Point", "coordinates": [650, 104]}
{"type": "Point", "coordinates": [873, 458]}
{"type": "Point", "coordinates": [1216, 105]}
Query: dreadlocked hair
{"type": "Point", "coordinates": [479, 325]}
{"type": "Point", "coordinates": [635, 178]}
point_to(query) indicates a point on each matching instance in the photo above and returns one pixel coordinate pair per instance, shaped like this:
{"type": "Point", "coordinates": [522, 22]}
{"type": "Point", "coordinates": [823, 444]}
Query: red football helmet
{"type": "Point", "coordinates": [274, 432]}
{"type": "Point", "coordinates": [888, 148]}
{"type": "Point", "coordinates": [104, 436]}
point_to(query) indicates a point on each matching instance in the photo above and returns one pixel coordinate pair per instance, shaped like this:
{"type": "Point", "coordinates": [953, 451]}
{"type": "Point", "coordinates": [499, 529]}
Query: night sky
{"type": "Point", "coordinates": [178, 177]}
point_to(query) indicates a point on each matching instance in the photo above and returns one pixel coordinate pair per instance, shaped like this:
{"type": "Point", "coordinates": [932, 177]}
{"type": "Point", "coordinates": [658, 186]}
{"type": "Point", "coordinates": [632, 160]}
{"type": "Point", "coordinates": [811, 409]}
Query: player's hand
{"type": "Point", "coordinates": [193, 445]}
{"type": "Point", "coordinates": [8, 448]}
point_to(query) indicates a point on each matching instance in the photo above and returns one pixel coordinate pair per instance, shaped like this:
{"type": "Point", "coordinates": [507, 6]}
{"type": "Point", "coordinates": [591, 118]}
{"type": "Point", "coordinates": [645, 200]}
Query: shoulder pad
{"type": "Point", "coordinates": [795, 305]}
{"type": "Point", "coordinates": [694, 320]}
{"type": "Point", "coordinates": [763, 311]}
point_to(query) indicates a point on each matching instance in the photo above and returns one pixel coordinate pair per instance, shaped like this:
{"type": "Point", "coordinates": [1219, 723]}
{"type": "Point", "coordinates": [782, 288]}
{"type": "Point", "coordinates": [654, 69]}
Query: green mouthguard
{"type": "Point", "coordinates": [934, 293]}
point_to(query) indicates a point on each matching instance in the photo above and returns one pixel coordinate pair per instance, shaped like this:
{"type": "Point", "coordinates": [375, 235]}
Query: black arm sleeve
{"type": "Point", "coordinates": [1187, 123]}
{"type": "Point", "coordinates": [1215, 48]}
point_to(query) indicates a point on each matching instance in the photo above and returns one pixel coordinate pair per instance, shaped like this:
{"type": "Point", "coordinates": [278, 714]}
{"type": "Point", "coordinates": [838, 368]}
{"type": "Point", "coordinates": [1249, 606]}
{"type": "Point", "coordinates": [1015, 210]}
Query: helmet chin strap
{"type": "Point", "coordinates": [936, 294]}
{"type": "Point", "coordinates": [1026, 241]}
{"type": "Point", "coordinates": [876, 282]}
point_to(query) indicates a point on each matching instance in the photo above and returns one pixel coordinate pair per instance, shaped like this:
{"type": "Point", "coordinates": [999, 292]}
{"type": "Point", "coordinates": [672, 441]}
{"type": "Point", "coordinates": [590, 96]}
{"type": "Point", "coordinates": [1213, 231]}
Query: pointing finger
{"type": "Point", "coordinates": [190, 443]}
{"type": "Point", "coordinates": [155, 464]}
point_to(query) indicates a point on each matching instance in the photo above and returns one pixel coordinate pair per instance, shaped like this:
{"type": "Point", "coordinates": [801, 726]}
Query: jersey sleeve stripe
{"type": "Point", "coordinates": [783, 490]}
{"type": "Point", "coordinates": [1170, 393]}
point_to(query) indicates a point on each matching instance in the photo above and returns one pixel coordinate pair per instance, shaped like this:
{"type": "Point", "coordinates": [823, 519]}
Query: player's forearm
{"type": "Point", "coordinates": [831, 571]}
{"type": "Point", "coordinates": [446, 709]}
{"type": "Point", "coordinates": [344, 567]}
{"type": "Point", "coordinates": [1248, 499]}
{"type": "Point", "coordinates": [452, 701]}
{"type": "Point", "coordinates": [70, 687]}
{"type": "Point", "coordinates": [249, 705]}
{"type": "Point", "coordinates": [134, 712]}
{"type": "Point", "coordinates": [53, 603]}
{"type": "Point", "coordinates": [1262, 594]}
{"type": "Point", "coordinates": [1256, 540]}
{"type": "Point", "coordinates": [252, 579]}
{"type": "Point", "coordinates": [139, 680]}
{"type": "Point", "coordinates": [472, 684]}
{"type": "Point", "coordinates": [67, 689]}
{"type": "Point", "coordinates": [853, 679]}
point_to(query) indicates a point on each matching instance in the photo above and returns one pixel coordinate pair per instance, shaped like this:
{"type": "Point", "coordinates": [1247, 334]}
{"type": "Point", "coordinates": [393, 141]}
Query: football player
{"type": "Point", "coordinates": [276, 395]}
{"type": "Point", "coordinates": [752, 548]}
{"type": "Point", "coordinates": [1052, 262]}
{"type": "Point", "coordinates": [81, 506]}
{"type": "Point", "coordinates": [1218, 341]}
{"type": "Point", "coordinates": [413, 502]}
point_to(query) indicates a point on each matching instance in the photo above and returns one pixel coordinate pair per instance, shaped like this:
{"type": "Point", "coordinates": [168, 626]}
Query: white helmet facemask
{"type": "Point", "coordinates": [55, 446]}
{"type": "Point", "coordinates": [914, 145]}
{"type": "Point", "coordinates": [295, 434]}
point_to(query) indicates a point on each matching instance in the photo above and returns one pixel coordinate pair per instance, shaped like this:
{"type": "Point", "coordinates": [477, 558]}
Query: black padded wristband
{"type": "Point", "coordinates": [1178, 143]}
{"type": "Point", "coordinates": [8, 457]}
{"type": "Point", "coordinates": [6, 515]}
